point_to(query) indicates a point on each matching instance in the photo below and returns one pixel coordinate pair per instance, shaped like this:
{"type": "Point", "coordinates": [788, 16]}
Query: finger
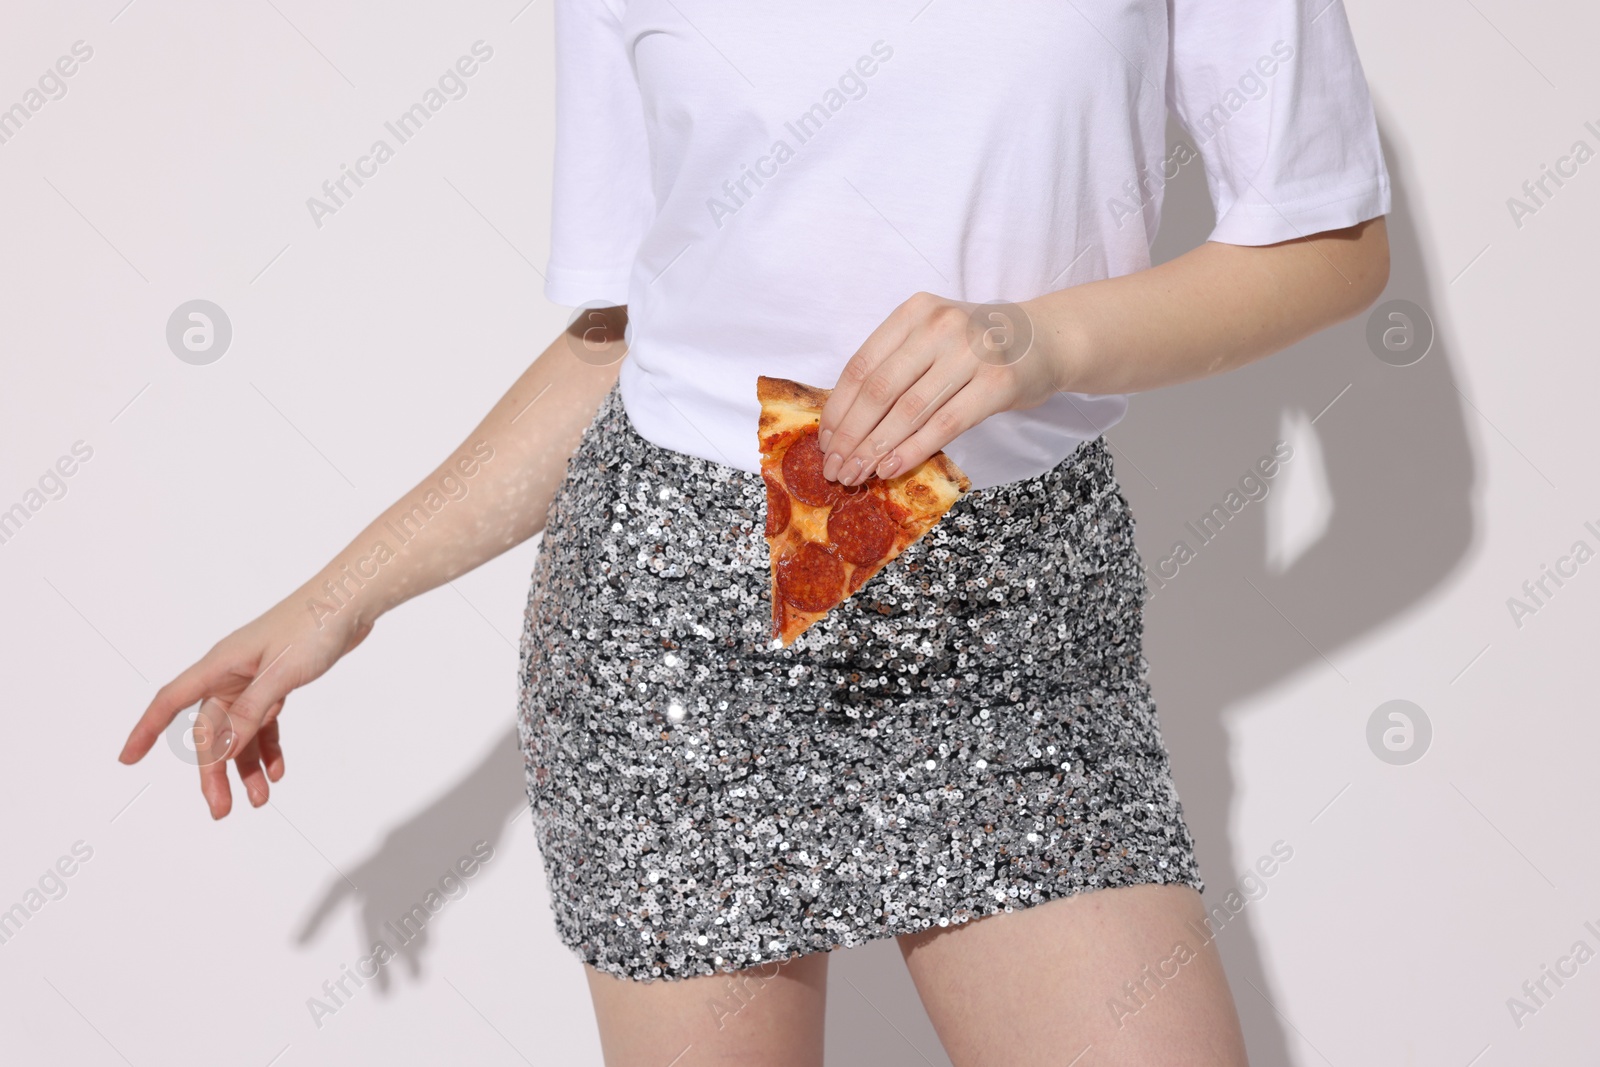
{"type": "Point", "coordinates": [968, 407]}
{"type": "Point", "coordinates": [202, 678]}
{"type": "Point", "coordinates": [917, 406]}
{"type": "Point", "coordinates": [248, 764]}
{"type": "Point", "coordinates": [266, 691]}
{"type": "Point", "coordinates": [879, 345]}
{"type": "Point", "coordinates": [879, 391]}
{"type": "Point", "coordinates": [214, 787]}
{"type": "Point", "coordinates": [937, 330]}
{"type": "Point", "coordinates": [271, 748]}
{"type": "Point", "coordinates": [240, 723]}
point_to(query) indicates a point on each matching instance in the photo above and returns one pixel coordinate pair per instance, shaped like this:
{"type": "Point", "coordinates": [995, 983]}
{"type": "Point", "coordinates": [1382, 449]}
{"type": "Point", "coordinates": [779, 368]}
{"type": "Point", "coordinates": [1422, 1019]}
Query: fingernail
{"type": "Point", "coordinates": [823, 438]}
{"type": "Point", "coordinates": [888, 467]}
{"type": "Point", "coordinates": [854, 475]}
{"type": "Point", "coordinates": [830, 468]}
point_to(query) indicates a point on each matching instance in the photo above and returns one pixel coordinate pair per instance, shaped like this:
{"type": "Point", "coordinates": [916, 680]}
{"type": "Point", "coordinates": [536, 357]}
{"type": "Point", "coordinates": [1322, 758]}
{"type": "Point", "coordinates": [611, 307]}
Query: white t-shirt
{"type": "Point", "coordinates": [761, 184]}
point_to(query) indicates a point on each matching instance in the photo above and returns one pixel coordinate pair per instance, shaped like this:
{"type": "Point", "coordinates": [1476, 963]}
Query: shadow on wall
{"type": "Point", "coordinates": [1397, 466]}
{"type": "Point", "coordinates": [1396, 458]}
{"type": "Point", "coordinates": [389, 886]}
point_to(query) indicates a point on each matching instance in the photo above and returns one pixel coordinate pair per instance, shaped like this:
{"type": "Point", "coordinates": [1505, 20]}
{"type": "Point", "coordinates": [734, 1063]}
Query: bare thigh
{"type": "Point", "coordinates": [769, 1016]}
{"type": "Point", "coordinates": [1109, 976]}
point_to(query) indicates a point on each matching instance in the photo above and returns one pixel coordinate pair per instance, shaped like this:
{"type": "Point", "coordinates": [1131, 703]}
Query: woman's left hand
{"type": "Point", "coordinates": [933, 370]}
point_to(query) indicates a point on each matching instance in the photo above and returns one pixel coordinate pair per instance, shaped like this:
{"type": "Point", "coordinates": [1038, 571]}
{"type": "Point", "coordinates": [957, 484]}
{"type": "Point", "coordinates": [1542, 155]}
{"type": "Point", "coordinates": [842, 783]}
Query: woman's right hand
{"type": "Point", "coordinates": [498, 485]}
{"type": "Point", "coordinates": [242, 683]}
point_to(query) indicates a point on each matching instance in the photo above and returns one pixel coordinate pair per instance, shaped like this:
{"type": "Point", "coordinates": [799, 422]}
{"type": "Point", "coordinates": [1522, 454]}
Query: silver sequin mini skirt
{"type": "Point", "coordinates": [972, 732]}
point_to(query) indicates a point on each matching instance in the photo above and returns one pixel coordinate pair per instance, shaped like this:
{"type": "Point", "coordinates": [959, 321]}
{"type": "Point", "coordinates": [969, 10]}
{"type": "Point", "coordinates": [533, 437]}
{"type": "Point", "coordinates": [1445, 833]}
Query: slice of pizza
{"type": "Point", "coordinates": [827, 539]}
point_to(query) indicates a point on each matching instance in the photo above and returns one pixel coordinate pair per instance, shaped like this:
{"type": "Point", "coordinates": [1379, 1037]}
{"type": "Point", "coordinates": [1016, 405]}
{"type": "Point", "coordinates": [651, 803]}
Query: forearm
{"type": "Point", "coordinates": [1210, 310]}
{"type": "Point", "coordinates": [490, 494]}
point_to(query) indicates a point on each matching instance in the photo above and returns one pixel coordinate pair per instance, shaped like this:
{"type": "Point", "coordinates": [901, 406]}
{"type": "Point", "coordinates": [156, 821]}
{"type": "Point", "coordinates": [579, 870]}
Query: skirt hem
{"type": "Point", "coordinates": [707, 968]}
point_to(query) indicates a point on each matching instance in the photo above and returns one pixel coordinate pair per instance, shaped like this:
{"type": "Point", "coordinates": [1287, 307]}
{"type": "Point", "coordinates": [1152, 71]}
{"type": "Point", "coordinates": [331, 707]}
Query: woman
{"type": "Point", "coordinates": [965, 755]}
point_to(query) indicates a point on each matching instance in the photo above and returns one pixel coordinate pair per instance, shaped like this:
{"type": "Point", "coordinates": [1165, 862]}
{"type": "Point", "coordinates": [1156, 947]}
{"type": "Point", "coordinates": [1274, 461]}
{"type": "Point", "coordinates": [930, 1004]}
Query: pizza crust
{"type": "Point", "coordinates": [787, 408]}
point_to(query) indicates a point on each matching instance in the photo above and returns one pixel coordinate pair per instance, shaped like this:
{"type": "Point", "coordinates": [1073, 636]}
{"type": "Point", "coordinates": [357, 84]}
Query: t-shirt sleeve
{"type": "Point", "coordinates": [1273, 95]}
{"type": "Point", "coordinates": [601, 198]}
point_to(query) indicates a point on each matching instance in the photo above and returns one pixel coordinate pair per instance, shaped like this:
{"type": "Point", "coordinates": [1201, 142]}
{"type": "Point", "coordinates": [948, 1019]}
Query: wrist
{"type": "Point", "coordinates": [347, 594]}
{"type": "Point", "coordinates": [1061, 340]}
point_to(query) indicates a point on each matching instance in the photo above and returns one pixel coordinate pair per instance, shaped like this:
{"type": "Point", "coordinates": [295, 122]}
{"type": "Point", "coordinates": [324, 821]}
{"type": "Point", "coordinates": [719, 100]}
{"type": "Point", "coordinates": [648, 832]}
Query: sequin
{"type": "Point", "coordinates": [972, 732]}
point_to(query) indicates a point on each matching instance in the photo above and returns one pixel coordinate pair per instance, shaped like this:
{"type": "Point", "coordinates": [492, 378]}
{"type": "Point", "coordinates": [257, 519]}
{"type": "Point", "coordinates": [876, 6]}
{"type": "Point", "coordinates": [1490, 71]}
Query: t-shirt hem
{"type": "Point", "coordinates": [667, 425]}
{"type": "Point", "coordinates": [573, 286]}
{"type": "Point", "coordinates": [1266, 223]}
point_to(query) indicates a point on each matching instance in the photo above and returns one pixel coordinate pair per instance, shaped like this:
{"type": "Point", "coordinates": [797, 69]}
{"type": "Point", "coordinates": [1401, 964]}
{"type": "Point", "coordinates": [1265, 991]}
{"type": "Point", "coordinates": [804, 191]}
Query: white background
{"type": "Point", "coordinates": [1419, 898]}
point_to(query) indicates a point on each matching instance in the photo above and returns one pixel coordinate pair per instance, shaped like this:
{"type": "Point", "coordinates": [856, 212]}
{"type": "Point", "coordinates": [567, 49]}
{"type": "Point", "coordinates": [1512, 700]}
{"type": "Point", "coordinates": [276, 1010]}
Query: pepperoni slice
{"type": "Point", "coordinates": [861, 530]}
{"type": "Point", "coordinates": [802, 472]}
{"type": "Point", "coordinates": [777, 506]}
{"type": "Point", "coordinates": [812, 579]}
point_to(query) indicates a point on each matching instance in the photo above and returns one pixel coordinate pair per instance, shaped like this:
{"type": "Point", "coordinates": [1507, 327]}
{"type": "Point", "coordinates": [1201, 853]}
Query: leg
{"type": "Point", "coordinates": [1114, 976]}
{"type": "Point", "coordinates": [769, 1015]}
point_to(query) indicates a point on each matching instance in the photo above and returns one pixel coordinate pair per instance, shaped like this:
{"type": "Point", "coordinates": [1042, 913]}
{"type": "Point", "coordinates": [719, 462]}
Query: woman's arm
{"type": "Point", "coordinates": [1212, 309]}
{"type": "Point", "coordinates": [490, 494]}
{"type": "Point", "coordinates": [918, 381]}
{"type": "Point", "coordinates": [517, 455]}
